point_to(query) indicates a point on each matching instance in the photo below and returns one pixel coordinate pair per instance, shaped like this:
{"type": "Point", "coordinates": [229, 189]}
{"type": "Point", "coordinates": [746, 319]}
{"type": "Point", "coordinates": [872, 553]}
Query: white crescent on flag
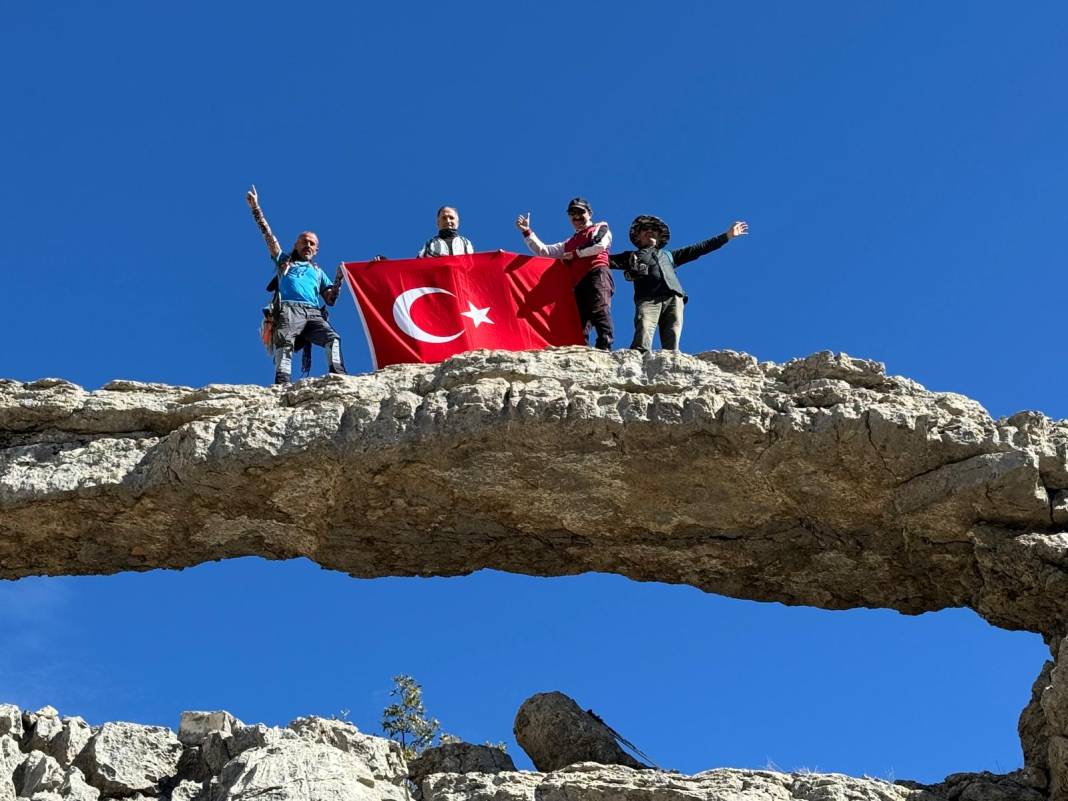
{"type": "Point", "coordinates": [402, 314]}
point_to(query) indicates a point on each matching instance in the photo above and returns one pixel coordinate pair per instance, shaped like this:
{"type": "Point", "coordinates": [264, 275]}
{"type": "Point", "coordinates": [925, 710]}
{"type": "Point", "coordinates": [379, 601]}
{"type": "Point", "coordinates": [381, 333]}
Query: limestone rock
{"type": "Point", "coordinates": [1018, 786]}
{"type": "Point", "coordinates": [187, 791]}
{"type": "Point", "coordinates": [194, 727]}
{"type": "Point", "coordinates": [256, 736]}
{"type": "Point", "coordinates": [11, 757]}
{"type": "Point", "coordinates": [480, 786]}
{"type": "Point", "coordinates": [125, 758]}
{"type": "Point", "coordinates": [295, 770]}
{"type": "Point", "coordinates": [45, 726]}
{"type": "Point", "coordinates": [192, 767]}
{"type": "Point", "coordinates": [1033, 726]}
{"type": "Point", "coordinates": [384, 757]}
{"type": "Point", "coordinates": [823, 481]}
{"type": "Point", "coordinates": [61, 738]}
{"type": "Point", "coordinates": [10, 721]}
{"type": "Point", "coordinates": [75, 788]}
{"type": "Point", "coordinates": [556, 732]}
{"type": "Point", "coordinates": [459, 757]}
{"type": "Point", "coordinates": [38, 773]}
{"type": "Point", "coordinates": [593, 782]}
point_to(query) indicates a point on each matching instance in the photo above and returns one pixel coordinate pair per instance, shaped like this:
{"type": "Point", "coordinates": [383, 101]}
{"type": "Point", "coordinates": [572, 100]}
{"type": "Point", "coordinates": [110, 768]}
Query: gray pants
{"type": "Point", "coordinates": [650, 315]}
{"type": "Point", "coordinates": [308, 324]}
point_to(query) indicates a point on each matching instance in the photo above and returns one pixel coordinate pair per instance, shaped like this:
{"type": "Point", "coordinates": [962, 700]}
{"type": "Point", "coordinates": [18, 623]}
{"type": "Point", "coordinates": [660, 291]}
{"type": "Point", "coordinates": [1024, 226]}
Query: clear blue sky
{"type": "Point", "coordinates": [902, 167]}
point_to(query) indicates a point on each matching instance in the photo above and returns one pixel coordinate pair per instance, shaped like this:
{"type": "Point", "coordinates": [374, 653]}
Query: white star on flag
{"type": "Point", "coordinates": [478, 316]}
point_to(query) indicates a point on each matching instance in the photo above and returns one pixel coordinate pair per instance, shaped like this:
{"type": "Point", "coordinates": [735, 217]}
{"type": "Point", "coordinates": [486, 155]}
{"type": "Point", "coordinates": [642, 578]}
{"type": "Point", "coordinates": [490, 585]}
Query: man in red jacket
{"type": "Point", "coordinates": [587, 253]}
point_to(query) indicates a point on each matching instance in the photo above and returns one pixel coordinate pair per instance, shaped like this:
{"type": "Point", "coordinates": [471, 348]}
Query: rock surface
{"type": "Point", "coordinates": [822, 481]}
{"type": "Point", "coordinates": [124, 758]}
{"type": "Point", "coordinates": [556, 732]}
{"type": "Point", "coordinates": [295, 770]}
{"type": "Point", "coordinates": [459, 757]}
{"type": "Point", "coordinates": [590, 782]}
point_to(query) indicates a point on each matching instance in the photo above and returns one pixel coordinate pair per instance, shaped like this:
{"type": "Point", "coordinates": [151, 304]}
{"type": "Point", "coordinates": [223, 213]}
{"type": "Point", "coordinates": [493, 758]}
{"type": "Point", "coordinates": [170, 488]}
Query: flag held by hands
{"type": "Point", "coordinates": [425, 310]}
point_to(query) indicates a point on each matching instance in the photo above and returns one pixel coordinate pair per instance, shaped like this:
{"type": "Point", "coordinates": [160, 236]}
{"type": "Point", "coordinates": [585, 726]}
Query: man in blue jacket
{"type": "Point", "coordinates": [658, 295]}
{"type": "Point", "coordinates": [302, 288]}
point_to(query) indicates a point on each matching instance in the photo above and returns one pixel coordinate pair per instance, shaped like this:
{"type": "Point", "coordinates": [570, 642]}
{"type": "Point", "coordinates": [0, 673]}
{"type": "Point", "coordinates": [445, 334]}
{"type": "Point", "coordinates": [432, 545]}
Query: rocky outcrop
{"type": "Point", "coordinates": [822, 481]}
{"type": "Point", "coordinates": [315, 759]}
{"type": "Point", "coordinates": [556, 732]}
{"type": "Point", "coordinates": [459, 757]}
{"type": "Point", "coordinates": [591, 782]}
{"type": "Point", "coordinates": [124, 758]}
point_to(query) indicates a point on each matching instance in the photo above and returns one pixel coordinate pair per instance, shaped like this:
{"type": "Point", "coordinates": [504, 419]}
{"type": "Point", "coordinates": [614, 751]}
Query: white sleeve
{"type": "Point", "coordinates": [539, 248]}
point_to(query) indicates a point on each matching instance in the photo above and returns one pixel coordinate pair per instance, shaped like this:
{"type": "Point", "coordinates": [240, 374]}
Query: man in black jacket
{"type": "Point", "coordinates": [658, 295]}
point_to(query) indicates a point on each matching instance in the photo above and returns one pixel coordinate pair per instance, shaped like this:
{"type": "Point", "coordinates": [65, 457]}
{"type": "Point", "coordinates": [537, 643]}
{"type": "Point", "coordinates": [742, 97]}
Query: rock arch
{"type": "Point", "coordinates": [821, 482]}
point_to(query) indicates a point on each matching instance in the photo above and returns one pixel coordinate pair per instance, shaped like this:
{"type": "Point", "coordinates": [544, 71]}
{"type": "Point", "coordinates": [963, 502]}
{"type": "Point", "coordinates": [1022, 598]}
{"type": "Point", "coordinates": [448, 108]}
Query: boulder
{"type": "Point", "coordinates": [556, 732]}
{"type": "Point", "coordinates": [384, 757]}
{"type": "Point", "coordinates": [194, 727]}
{"type": "Point", "coordinates": [459, 757]}
{"type": "Point", "coordinates": [187, 791]}
{"type": "Point", "coordinates": [67, 743]}
{"type": "Point", "coordinates": [10, 721]}
{"type": "Point", "coordinates": [75, 788]}
{"type": "Point", "coordinates": [296, 770]}
{"type": "Point", "coordinates": [11, 757]}
{"type": "Point", "coordinates": [125, 759]}
{"type": "Point", "coordinates": [38, 773]}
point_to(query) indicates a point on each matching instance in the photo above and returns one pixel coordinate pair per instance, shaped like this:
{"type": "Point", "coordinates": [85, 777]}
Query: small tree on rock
{"type": "Point", "coordinates": [405, 721]}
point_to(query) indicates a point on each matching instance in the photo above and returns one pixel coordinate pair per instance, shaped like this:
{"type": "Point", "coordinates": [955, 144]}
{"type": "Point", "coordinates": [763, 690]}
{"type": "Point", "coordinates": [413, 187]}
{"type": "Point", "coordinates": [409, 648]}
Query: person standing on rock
{"type": "Point", "coordinates": [658, 295]}
{"type": "Point", "coordinates": [297, 316]}
{"type": "Point", "coordinates": [448, 241]}
{"type": "Point", "coordinates": [587, 252]}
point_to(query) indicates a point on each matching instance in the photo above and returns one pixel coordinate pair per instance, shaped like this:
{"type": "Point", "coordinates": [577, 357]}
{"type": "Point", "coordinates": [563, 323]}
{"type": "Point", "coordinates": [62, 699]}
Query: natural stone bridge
{"type": "Point", "coordinates": [822, 482]}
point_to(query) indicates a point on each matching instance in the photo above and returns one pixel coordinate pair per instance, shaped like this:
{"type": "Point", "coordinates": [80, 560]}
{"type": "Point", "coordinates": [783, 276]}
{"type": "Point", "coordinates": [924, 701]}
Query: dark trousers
{"type": "Point", "coordinates": [298, 324]}
{"type": "Point", "coordinates": [593, 294]}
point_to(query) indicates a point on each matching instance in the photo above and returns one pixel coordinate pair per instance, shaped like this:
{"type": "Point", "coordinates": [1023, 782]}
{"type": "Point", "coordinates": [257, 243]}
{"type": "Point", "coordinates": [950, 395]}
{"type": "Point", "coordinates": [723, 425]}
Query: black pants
{"type": "Point", "coordinates": [593, 294]}
{"type": "Point", "coordinates": [307, 324]}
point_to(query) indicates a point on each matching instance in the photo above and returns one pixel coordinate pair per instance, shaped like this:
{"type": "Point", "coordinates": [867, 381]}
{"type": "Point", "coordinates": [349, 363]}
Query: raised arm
{"type": "Point", "coordinates": [695, 251]}
{"type": "Point", "coordinates": [536, 246]}
{"type": "Point", "coordinates": [257, 214]}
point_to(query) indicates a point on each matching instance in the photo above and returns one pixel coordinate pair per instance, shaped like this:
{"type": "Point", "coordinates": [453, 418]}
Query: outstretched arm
{"type": "Point", "coordinates": [695, 251]}
{"type": "Point", "coordinates": [257, 214]}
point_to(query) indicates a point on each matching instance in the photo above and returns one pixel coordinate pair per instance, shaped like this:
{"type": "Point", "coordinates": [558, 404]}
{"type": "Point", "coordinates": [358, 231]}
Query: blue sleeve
{"type": "Point", "coordinates": [324, 282]}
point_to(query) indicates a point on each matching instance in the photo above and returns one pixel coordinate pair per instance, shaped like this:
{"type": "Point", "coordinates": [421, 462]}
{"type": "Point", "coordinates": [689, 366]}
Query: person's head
{"type": "Point", "coordinates": [649, 235]}
{"type": "Point", "coordinates": [649, 231]}
{"type": "Point", "coordinates": [448, 218]}
{"type": "Point", "coordinates": [580, 213]}
{"type": "Point", "coordinates": [307, 246]}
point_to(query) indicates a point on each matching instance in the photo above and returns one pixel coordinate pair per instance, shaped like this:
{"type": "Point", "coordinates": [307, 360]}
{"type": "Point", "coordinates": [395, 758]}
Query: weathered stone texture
{"type": "Point", "coordinates": [822, 482]}
{"type": "Point", "coordinates": [295, 770]}
{"type": "Point", "coordinates": [556, 732]}
{"type": "Point", "coordinates": [459, 757]}
{"type": "Point", "coordinates": [125, 758]}
{"type": "Point", "coordinates": [384, 757]}
{"type": "Point", "coordinates": [591, 782]}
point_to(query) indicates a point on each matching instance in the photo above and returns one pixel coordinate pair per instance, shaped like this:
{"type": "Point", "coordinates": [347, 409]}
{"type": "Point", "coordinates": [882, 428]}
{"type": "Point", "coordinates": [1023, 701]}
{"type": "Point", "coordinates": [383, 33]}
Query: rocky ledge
{"type": "Point", "coordinates": [215, 757]}
{"type": "Point", "coordinates": [822, 481]}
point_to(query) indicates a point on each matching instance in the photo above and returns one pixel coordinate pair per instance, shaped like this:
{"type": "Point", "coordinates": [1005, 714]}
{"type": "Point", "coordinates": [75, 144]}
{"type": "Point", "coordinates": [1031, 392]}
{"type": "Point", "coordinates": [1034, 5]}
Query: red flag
{"type": "Point", "coordinates": [425, 310]}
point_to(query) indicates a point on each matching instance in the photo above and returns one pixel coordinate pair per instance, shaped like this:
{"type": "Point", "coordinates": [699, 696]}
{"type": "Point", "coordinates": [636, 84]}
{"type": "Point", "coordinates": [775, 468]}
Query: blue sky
{"type": "Point", "coordinates": [901, 166]}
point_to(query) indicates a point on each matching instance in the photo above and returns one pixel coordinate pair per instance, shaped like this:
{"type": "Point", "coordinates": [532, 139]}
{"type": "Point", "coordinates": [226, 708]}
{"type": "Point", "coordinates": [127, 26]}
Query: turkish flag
{"type": "Point", "coordinates": [425, 310]}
